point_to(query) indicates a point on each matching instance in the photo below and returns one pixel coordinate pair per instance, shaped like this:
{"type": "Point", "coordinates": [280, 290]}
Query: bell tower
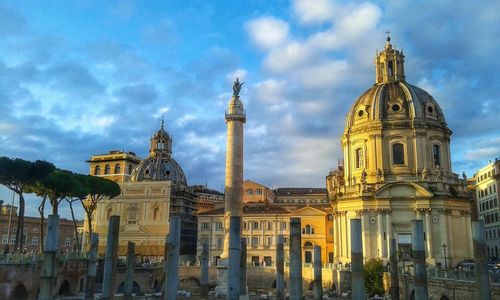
{"type": "Point", "coordinates": [389, 64]}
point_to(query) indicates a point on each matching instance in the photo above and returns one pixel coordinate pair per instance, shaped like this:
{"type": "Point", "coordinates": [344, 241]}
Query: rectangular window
{"type": "Point", "coordinates": [249, 192]}
{"type": "Point", "coordinates": [5, 239]}
{"type": "Point", "coordinates": [436, 155]}
{"type": "Point", "coordinates": [204, 240]}
{"type": "Point", "coordinates": [13, 240]}
{"type": "Point", "coordinates": [398, 154]}
{"type": "Point", "coordinates": [218, 226]}
{"type": "Point", "coordinates": [359, 158]}
{"type": "Point", "coordinates": [330, 257]}
{"type": "Point", "coordinates": [269, 225]}
{"type": "Point", "coordinates": [204, 226]}
{"type": "Point", "coordinates": [258, 191]}
{"type": "Point", "coordinates": [255, 225]}
{"type": "Point", "coordinates": [269, 241]}
{"type": "Point", "coordinates": [255, 241]}
{"type": "Point", "coordinates": [67, 242]}
{"type": "Point", "coordinates": [219, 242]}
{"type": "Point", "coordinates": [283, 225]}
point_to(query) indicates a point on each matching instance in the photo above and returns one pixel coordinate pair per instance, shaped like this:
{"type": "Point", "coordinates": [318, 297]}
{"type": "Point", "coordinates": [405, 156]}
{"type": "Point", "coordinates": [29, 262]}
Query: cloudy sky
{"type": "Point", "coordinates": [79, 78]}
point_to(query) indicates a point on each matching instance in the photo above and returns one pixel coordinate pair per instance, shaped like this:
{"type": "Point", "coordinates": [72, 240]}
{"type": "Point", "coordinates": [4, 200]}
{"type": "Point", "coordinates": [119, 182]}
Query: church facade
{"type": "Point", "coordinates": [396, 168]}
{"type": "Point", "coordinates": [152, 190]}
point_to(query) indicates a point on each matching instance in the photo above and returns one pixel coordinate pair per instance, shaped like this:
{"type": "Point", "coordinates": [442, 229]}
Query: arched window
{"type": "Point", "coordinates": [436, 155]}
{"type": "Point", "coordinates": [390, 71]}
{"type": "Point", "coordinates": [398, 154]}
{"type": "Point", "coordinates": [129, 171]}
{"type": "Point", "coordinates": [97, 170]}
{"type": "Point", "coordinates": [359, 158]}
{"type": "Point", "coordinates": [107, 169]}
{"type": "Point", "coordinates": [308, 244]}
{"type": "Point", "coordinates": [117, 169]}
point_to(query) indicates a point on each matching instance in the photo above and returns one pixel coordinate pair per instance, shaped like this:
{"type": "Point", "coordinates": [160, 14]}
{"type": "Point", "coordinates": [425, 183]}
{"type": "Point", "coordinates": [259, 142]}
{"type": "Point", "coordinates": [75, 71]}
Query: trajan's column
{"type": "Point", "coordinates": [235, 118]}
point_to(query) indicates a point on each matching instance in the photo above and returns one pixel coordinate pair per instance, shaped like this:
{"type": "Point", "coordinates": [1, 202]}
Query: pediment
{"type": "Point", "coordinates": [308, 211]}
{"type": "Point", "coordinates": [403, 190]}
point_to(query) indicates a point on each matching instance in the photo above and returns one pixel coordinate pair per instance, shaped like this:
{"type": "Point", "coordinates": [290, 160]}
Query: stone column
{"type": "Point", "coordinates": [393, 257]}
{"type": "Point", "coordinates": [111, 258]}
{"type": "Point", "coordinates": [280, 269]}
{"type": "Point", "coordinates": [204, 272]}
{"type": "Point", "coordinates": [419, 267]}
{"type": "Point", "coordinates": [347, 237]}
{"type": "Point", "coordinates": [365, 229]}
{"type": "Point", "coordinates": [483, 287]}
{"type": "Point", "coordinates": [235, 118]}
{"type": "Point", "coordinates": [336, 237]}
{"type": "Point", "coordinates": [468, 232]}
{"type": "Point", "coordinates": [295, 260]}
{"type": "Point", "coordinates": [380, 236]}
{"type": "Point", "coordinates": [49, 274]}
{"type": "Point", "coordinates": [243, 267]}
{"type": "Point", "coordinates": [388, 228]}
{"type": "Point", "coordinates": [91, 267]}
{"type": "Point", "coordinates": [357, 280]}
{"type": "Point", "coordinates": [234, 271]}
{"type": "Point", "coordinates": [318, 274]}
{"type": "Point", "coordinates": [428, 234]}
{"type": "Point", "coordinates": [173, 247]}
{"type": "Point", "coordinates": [129, 280]}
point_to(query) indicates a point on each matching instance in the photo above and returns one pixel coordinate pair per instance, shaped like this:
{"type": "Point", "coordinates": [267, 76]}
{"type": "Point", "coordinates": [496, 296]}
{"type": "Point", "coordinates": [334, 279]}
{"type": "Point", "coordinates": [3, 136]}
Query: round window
{"type": "Point", "coordinates": [361, 113]}
{"type": "Point", "coordinates": [430, 109]}
{"type": "Point", "coordinates": [396, 107]}
{"type": "Point", "coordinates": [146, 171]}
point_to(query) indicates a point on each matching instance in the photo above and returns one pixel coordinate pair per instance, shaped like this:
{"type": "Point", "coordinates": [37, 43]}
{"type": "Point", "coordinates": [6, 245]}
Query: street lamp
{"type": "Point", "coordinates": [445, 261]}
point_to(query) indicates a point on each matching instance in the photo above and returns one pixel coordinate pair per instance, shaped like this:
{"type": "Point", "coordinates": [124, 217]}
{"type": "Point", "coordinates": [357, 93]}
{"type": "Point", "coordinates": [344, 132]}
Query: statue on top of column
{"type": "Point", "coordinates": [237, 87]}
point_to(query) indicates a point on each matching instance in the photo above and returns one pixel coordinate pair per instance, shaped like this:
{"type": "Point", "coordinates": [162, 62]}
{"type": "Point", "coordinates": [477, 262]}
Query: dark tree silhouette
{"type": "Point", "coordinates": [17, 174]}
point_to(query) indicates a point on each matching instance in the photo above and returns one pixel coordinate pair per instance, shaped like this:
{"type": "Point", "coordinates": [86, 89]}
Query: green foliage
{"type": "Point", "coordinates": [16, 174]}
{"type": "Point", "coordinates": [373, 274]}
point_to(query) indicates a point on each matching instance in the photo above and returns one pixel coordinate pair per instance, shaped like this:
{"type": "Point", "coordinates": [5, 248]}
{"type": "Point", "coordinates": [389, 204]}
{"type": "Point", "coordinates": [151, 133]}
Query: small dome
{"type": "Point", "coordinates": [159, 169]}
{"type": "Point", "coordinates": [393, 101]}
{"type": "Point", "coordinates": [159, 166]}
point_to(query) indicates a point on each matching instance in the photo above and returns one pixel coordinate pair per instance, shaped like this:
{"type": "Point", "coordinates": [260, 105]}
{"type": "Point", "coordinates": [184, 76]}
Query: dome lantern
{"type": "Point", "coordinates": [161, 143]}
{"type": "Point", "coordinates": [389, 64]}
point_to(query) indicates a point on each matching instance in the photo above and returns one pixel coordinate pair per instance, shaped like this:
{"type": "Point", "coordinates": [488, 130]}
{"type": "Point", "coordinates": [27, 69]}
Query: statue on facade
{"type": "Point", "coordinates": [424, 174]}
{"type": "Point", "coordinates": [464, 176]}
{"type": "Point", "coordinates": [379, 175]}
{"type": "Point", "coordinates": [363, 176]}
{"type": "Point", "coordinates": [439, 174]}
{"type": "Point", "coordinates": [237, 87]}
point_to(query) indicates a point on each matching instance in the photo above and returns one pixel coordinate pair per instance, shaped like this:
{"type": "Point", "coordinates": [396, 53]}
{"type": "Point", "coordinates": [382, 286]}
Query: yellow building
{"type": "Point", "coordinates": [397, 167]}
{"type": "Point", "coordinates": [263, 220]}
{"type": "Point", "coordinates": [115, 165]}
{"type": "Point", "coordinates": [487, 188]}
{"type": "Point", "coordinates": [151, 192]}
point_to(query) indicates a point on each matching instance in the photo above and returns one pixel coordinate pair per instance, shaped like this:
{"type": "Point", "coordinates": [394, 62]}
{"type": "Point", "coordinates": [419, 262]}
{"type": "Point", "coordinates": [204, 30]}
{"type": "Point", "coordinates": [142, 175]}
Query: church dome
{"type": "Point", "coordinates": [395, 101]}
{"type": "Point", "coordinates": [160, 165]}
{"type": "Point", "coordinates": [395, 131]}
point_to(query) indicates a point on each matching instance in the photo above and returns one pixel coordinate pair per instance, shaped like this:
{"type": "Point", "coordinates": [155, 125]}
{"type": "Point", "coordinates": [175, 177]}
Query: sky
{"type": "Point", "coordinates": [79, 78]}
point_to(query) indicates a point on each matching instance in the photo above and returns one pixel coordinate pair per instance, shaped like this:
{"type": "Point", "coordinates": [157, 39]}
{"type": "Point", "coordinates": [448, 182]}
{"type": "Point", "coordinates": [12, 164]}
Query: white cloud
{"type": "Point", "coordinates": [270, 90]}
{"type": "Point", "coordinates": [185, 119]}
{"type": "Point", "coordinates": [313, 12]}
{"type": "Point", "coordinates": [241, 74]}
{"type": "Point", "coordinates": [268, 32]}
{"type": "Point", "coordinates": [288, 57]}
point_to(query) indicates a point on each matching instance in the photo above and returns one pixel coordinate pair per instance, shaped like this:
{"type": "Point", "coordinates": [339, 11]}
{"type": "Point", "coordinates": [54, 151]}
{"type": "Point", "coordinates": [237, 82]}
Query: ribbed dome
{"type": "Point", "coordinates": [159, 165]}
{"type": "Point", "coordinates": [159, 169]}
{"type": "Point", "coordinates": [393, 101]}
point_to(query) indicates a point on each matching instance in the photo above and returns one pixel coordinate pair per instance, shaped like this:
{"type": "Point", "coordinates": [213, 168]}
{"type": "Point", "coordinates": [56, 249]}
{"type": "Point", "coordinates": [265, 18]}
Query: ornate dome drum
{"type": "Point", "coordinates": [395, 130]}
